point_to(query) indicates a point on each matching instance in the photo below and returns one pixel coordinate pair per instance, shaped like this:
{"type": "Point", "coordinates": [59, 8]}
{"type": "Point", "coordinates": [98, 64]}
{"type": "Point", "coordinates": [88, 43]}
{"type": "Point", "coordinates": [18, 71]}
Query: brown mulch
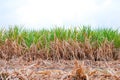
{"type": "Point", "coordinates": [18, 69]}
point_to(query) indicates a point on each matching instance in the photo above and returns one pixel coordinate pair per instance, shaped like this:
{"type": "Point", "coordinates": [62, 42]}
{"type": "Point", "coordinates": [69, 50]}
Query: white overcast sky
{"type": "Point", "coordinates": [47, 13]}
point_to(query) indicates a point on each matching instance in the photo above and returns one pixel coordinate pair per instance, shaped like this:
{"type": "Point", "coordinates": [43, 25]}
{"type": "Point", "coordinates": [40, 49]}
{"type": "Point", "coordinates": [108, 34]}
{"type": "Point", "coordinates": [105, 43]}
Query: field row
{"type": "Point", "coordinates": [60, 43]}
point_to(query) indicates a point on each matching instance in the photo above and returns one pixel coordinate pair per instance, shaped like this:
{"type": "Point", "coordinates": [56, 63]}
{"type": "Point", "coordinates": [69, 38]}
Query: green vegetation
{"type": "Point", "coordinates": [44, 37]}
{"type": "Point", "coordinates": [60, 43]}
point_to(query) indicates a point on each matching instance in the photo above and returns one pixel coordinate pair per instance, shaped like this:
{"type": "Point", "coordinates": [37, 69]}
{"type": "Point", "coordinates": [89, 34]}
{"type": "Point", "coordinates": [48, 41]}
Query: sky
{"type": "Point", "coordinates": [39, 14]}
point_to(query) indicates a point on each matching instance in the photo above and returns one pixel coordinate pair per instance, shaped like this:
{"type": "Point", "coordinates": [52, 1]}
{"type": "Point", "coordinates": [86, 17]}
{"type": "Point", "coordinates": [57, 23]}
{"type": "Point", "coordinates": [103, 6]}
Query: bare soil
{"type": "Point", "coordinates": [19, 69]}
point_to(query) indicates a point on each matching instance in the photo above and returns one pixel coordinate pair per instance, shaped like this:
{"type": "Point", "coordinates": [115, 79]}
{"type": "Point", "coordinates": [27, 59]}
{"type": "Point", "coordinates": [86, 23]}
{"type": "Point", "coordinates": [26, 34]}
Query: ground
{"type": "Point", "coordinates": [19, 69]}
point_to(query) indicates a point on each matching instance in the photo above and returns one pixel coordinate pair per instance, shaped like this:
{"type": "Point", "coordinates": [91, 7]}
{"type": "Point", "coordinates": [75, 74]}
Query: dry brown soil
{"type": "Point", "coordinates": [19, 69]}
